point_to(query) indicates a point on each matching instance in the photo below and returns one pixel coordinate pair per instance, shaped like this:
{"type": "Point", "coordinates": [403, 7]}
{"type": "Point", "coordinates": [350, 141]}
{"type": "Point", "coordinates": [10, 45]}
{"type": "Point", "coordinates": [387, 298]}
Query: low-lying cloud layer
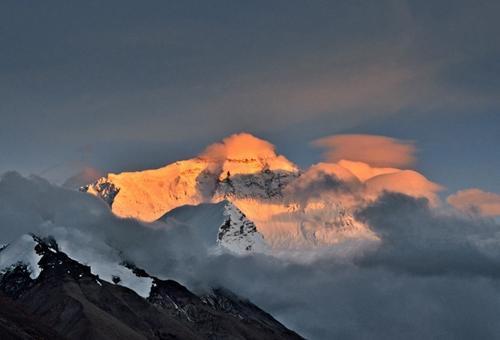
{"type": "Point", "coordinates": [431, 274]}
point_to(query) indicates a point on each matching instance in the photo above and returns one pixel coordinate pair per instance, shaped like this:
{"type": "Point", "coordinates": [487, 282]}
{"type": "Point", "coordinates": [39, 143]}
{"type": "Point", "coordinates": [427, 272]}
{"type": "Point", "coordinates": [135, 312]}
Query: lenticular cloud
{"type": "Point", "coordinates": [377, 151]}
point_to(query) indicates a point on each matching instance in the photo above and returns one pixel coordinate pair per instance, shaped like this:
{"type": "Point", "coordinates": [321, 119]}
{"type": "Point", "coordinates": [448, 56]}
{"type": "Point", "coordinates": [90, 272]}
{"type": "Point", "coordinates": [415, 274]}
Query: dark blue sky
{"type": "Point", "coordinates": [129, 85]}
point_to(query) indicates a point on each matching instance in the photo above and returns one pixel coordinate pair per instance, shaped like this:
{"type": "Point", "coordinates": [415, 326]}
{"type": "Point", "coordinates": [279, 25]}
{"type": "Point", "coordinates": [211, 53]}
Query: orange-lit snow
{"type": "Point", "coordinates": [306, 211]}
{"type": "Point", "coordinates": [149, 194]}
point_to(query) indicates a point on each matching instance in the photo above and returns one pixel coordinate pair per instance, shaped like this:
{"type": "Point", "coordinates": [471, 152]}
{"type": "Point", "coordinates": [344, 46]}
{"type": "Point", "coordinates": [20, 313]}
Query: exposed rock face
{"type": "Point", "coordinates": [290, 209]}
{"type": "Point", "coordinates": [219, 224]}
{"type": "Point", "coordinates": [148, 195]}
{"type": "Point", "coordinates": [102, 188]}
{"type": "Point", "coordinates": [238, 233]}
{"type": "Point", "coordinates": [219, 315]}
{"type": "Point", "coordinates": [266, 185]}
{"type": "Point", "coordinates": [241, 166]}
{"type": "Point", "coordinates": [73, 303]}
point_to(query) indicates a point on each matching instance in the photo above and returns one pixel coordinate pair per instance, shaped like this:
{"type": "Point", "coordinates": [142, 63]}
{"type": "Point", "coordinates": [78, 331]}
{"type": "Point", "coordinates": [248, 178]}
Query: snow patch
{"type": "Point", "coordinates": [238, 234]}
{"type": "Point", "coordinates": [105, 262]}
{"type": "Point", "coordinates": [21, 252]}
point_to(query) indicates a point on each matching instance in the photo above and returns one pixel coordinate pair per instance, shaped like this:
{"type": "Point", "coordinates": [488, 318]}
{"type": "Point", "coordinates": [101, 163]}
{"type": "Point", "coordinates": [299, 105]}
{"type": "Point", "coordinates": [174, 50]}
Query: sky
{"type": "Point", "coordinates": [123, 85]}
{"type": "Point", "coordinates": [120, 85]}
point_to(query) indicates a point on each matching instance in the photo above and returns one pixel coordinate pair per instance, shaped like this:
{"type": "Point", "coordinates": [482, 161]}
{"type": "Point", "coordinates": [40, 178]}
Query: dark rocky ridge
{"type": "Point", "coordinates": [68, 301]}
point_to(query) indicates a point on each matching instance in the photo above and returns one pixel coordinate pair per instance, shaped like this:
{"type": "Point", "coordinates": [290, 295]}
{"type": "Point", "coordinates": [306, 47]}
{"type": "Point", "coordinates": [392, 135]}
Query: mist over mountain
{"type": "Point", "coordinates": [323, 249]}
{"type": "Point", "coordinates": [291, 208]}
{"type": "Point", "coordinates": [250, 170]}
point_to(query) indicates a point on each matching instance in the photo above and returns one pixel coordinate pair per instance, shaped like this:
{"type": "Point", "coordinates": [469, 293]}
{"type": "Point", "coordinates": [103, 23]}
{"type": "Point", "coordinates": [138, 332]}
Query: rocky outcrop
{"type": "Point", "coordinates": [73, 303]}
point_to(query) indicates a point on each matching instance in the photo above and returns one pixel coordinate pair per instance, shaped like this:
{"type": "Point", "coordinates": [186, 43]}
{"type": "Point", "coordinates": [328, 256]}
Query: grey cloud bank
{"type": "Point", "coordinates": [433, 275]}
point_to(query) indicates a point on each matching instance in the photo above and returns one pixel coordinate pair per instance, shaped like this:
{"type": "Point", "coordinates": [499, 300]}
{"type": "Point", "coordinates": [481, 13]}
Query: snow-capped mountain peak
{"type": "Point", "coordinates": [220, 225]}
{"type": "Point", "coordinates": [27, 251]}
{"type": "Point", "coordinates": [260, 184]}
{"type": "Point", "coordinates": [242, 166]}
{"type": "Point", "coordinates": [237, 233]}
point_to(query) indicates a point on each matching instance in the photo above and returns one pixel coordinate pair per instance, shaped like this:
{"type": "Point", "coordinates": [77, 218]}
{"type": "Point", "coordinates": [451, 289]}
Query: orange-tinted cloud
{"type": "Point", "coordinates": [379, 151]}
{"type": "Point", "coordinates": [377, 180]}
{"type": "Point", "coordinates": [364, 171]}
{"type": "Point", "coordinates": [240, 146]}
{"type": "Point", "coordinates": [476, 201]}
{"type": "Point", "coordinates": [243, 147]}
{"type": "Point", "coordinates": [338, 170]}
{"type": "Point", "coordinates": [362, 182]}
{"type": "Point", "coordinates": [408, 182]}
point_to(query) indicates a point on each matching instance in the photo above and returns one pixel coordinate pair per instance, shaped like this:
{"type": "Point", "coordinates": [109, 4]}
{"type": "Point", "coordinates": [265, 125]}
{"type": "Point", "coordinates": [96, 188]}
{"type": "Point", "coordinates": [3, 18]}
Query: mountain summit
{"type": "Point", "coordinates": [246, 172]}
{"type": "Point", "coordinates": [148, 195]}
{"type": "Point", "coordinates": [289, 208]}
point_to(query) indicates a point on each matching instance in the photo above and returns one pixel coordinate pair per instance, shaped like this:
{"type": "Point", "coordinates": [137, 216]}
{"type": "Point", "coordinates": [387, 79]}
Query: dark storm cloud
{"type": "Point", "coordinates": [431, 276]}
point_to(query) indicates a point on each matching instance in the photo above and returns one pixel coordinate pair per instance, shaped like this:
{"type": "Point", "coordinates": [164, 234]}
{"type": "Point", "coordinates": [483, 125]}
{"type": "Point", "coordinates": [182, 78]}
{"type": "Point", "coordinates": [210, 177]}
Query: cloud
{"type": "Point", "coordinates": [244, 147]}
{"type": "Point", "coordinates": [339, 170]}
{"type": "Point", "coordinates": [378, 151]}
{"type": "Point", "coordinates": [367, 182]}
{"type": "Point", "coordinates": [240, 146]}
{"type": "Point", "coordinates": [320, 180]}
{"type": "Point", "coordinates": [85, 176]}
{"type": "Point", "coordinates": [422, 241]}
{"type": "Point", "coordinates": [430, 274]}
{"type": "Point", "coordinates": [34, 205]}
{"type": "Point", "coordinates": [349, 71]}
{"type": "Point", "coordinates": [476, 201]}
{"type": "Point", "coordinates": [373, 160]}
{"type": "Point", "coordinates": [408, 182]}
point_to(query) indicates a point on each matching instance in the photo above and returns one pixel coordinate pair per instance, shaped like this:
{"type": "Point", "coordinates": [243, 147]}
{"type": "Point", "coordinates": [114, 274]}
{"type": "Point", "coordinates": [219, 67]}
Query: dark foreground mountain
{"type": "Point", "coordinates": [65, 300]}
{"type": "Point", "coordinates": [17, 323]}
